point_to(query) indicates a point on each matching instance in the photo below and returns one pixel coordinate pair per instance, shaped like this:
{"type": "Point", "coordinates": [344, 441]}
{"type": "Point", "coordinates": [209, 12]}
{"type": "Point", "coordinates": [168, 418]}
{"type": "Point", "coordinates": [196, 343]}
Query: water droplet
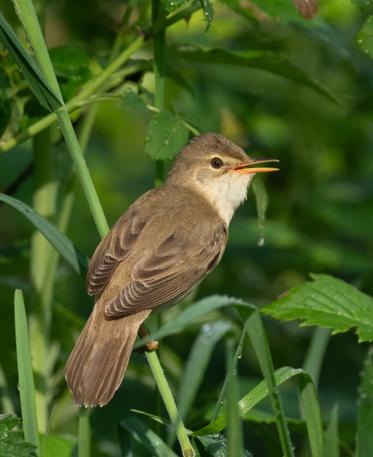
{"type": "Point", "coordinates": [260, 241]}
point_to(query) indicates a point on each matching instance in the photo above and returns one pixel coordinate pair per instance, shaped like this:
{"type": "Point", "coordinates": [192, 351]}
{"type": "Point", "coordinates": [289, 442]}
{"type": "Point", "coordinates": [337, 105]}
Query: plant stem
{"type": "Point", "coordinates": [84, 441]}
{"type": "Point", "coordinates": [25, 374]}
{"type": "Point", "coordinates": [32, 28]}
{"type": "Point", "coordinates": [72, 104]}
{"type": "Point", "coordinates": [82, 172]}
{"type": "Point", "coordinates": [44, 202]}
{"type": "Point", "coordinates": [159, 40]}
{"type": "Point", "coordinates": [168, 399]}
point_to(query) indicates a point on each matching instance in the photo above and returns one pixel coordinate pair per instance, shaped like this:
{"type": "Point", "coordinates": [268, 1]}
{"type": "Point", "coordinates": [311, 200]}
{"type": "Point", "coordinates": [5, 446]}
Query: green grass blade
{"type": "Point", "coordinates": [25, 375]}
{"type": "Point", "coordinates": [193, 313]}
{"type": "Point", "coordinates": [311, 412]}
{"type": "Point", "coordinates": [251, 399]}
{"type": "Point", "coordinates": [58, 240]}
{"type": "Point", "coordinates": [315, 354]}
{"type": "Point", "coordinates": [259, 341]}
{"type": "Point", "coordinates": [38, 84]}
{"type": "Point", "coordinates": [84, 436]}
{"type": "Point", "coordinates": [365, 409]}
{"type": "Point", "coordinates": [197, 362]}
{"type": "Point", "coordinates": [236, 356]}
{"type": "Point", "coordinates": [234, 426]}
{"type": "Point", "coordinates": [148, 439]}
{"type": "Point", "coordinates": [331, 446]}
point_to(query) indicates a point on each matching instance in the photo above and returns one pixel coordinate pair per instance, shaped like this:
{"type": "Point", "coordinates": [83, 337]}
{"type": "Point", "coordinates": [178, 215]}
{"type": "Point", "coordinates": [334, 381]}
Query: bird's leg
{"type": "Point", "coordinates": [151, 345]}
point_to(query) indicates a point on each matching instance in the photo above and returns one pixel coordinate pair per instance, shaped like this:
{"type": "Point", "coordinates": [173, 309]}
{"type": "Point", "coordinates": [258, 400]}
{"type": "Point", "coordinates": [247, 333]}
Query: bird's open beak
{"type": "Point", "coordinates": [250, 167]}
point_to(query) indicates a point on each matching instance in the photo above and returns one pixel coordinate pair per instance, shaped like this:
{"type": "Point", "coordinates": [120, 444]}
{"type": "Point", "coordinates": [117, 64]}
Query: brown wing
{"type": "Point", "coordinates": [112, 250]}
{"type": "Point", "coordinates": [168, 273]}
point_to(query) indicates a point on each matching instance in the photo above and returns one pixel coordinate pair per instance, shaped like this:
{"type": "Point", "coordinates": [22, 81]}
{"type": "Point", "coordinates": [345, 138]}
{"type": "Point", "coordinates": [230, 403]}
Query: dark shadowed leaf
{"type": "Point", "coordinates": [38, 84]}
{"type": "Point", "coordinates": [172, 5]}
{"type": "Point", "coordinates": [365, 37]}
{"type": "Point", "coordinates": [12, 443]}
{"type": "Point", "coordinates": [57, 239]}
{"type": "Point", "coordinates": [166, 135]}
{"type": "Point", "coordinates": [208, 12]}
{"type": "Point", "coordinates": [146, 438]}
{"type": "Point", "coordinates": [262, 60]}
{"type": "Point", "coordinates": [327, 302]}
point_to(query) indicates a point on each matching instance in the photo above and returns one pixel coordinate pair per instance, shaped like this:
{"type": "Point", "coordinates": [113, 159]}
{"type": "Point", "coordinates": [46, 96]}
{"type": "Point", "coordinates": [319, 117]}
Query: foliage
{"type": "Point", "coordinates": [12, 443]}
{"type": "Point", "coordinates": [143, 76]}
{"type": "Point", "coordinates": [327, 302]}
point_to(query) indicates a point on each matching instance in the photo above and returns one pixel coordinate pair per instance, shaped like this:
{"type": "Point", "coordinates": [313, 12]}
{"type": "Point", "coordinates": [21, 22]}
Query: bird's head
{"type": "Point", "coordinates": [218, 169]}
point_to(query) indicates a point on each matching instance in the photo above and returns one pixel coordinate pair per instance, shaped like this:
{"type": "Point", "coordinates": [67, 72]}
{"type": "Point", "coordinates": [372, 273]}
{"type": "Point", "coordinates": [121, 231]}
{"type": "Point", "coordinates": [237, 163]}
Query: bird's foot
{"type": "Point", "coordinates": [151, 345]}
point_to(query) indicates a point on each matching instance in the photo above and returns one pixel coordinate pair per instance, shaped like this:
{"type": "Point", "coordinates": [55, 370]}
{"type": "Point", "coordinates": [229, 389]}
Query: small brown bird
{"type": "Point", "coordinates": [162, 247]}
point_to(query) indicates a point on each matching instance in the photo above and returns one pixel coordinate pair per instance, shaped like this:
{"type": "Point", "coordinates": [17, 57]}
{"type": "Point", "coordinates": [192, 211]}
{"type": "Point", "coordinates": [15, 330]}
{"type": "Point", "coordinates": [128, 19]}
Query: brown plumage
{"type": "Point", "coordinates": [166, 242]}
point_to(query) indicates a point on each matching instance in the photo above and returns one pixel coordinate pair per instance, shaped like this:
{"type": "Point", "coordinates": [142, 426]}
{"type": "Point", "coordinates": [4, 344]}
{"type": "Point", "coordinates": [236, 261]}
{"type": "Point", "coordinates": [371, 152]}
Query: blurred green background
{"type": "Point", "coordinates": [320, 212]}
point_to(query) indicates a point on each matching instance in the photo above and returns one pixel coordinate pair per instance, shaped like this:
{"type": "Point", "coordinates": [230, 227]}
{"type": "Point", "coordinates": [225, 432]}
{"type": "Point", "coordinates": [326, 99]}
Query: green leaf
{"type": "Point", "coordinates": [70, 62]}
{"type": "Point", "coordinates": [38, 84]}
{"type": "Point", "coordinates": [331, 447]}
{"type": "Point", "coordinates": [315, 354]}
{"type": "Point", "coordinates": [262, 60]}
{"type": "Point", "coordinates": [166, 136]}
{"type": "Point", "coordinates": [172, 5]}
{"type": "Point", "coordinates": [12, 443]}
{"type": "Point", "coordinates": [256, 395]}
{"type": "Point", "coordinates": [255, 330]}
{"type": "Point", "coordinates": [197, 362]}
{"type": "Point", "coordinates": [25, 374]}
{"type": "Point", "coordinates": [57, 446]}
{"type": "Point", "coordinates": [194, 312]}
{"type": "Point", "coordinates": [364, 38]}
{"type": "Point", "coordinates": [261, 200]}
{"type": "Point", "coordinates": [234, 363]}
{"type": "Point", "coordinates": [365, 409]}
{"type": "Point", "coordinates": [147, 439]}
{"type": "Point", "coordinates": [208, 12]}
{"type": "Point", "coordinates": [234, 425]}
{"type": "Point", "coordinates": [327, 302]}
{"type": "Point", "coordinates": [132, 102]}
{"type": "Point", "coordinates": [216, 446]}
{"type": "Point", "coordinates": [58, 240]}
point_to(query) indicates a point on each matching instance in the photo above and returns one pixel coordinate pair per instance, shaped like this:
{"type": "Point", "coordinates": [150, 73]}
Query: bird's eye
{"type": "Point", "coordinates": [216, 162]}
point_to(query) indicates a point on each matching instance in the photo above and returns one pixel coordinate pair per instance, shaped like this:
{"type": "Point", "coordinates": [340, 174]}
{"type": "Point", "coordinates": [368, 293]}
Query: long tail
{"type": "Point", "coordinates": [97, 364]}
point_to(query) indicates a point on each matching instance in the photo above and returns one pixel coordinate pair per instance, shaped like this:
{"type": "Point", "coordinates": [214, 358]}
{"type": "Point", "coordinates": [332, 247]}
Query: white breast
{"type": "Point", "coordinates": [226, 193]}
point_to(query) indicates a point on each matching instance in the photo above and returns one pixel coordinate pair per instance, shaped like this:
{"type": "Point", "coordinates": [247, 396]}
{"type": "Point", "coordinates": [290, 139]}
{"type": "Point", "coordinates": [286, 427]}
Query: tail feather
{"type": "Point", "coordinates": [97, 364]}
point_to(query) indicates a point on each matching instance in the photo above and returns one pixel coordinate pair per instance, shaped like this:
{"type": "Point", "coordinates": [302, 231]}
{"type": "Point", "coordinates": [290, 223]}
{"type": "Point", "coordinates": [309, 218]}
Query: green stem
{"type": "Point", "coordinates": [84, 442]}
{"type": "Point", "coordinates": [168, 399]}
{"type": "Point", "coordinates": [42, 253]}
{"type": "Point", "coordinates": [25, 374]}
{"type": "Point", "coordinates": [159, 40]}
{"type": "Point", "coordinates": [82, 172]}
{"type": "Point", "coordinates": [35, 36]}
{"type": "Point", "coordinates": [74, 103]}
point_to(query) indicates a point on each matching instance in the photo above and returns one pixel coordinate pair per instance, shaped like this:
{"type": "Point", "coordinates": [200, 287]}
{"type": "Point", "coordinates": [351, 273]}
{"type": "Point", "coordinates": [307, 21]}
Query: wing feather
{"type": "Point", "coordinates": [168, 273]}
{"type": "Point", "coordinates": [112, 250]}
